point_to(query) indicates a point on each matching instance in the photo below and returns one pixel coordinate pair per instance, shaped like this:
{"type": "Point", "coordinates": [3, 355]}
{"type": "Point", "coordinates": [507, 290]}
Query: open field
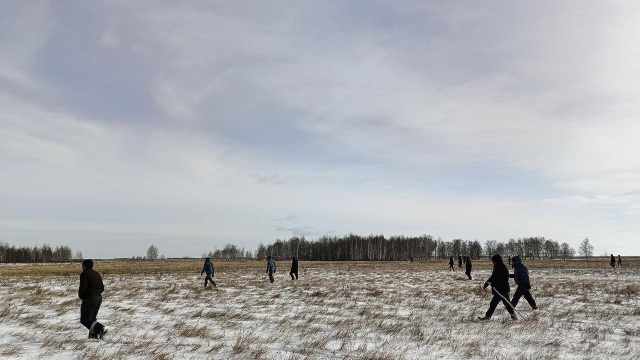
{"type": "Point", "coordinates": [343, 310]}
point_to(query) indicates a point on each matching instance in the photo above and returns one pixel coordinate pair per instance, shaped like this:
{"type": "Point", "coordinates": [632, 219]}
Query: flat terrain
{"type": "Point", "coordinates": [397, 310]}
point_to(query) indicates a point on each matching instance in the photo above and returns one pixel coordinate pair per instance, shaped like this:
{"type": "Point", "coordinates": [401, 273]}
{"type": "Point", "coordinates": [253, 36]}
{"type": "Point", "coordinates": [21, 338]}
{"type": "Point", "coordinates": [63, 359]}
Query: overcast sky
{"type": "Point", "coordinates": [191, 126]}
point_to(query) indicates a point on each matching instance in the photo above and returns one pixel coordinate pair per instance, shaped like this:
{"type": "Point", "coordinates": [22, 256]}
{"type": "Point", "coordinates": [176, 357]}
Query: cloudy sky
{"type": "Point", "coordinates": [191, 126]}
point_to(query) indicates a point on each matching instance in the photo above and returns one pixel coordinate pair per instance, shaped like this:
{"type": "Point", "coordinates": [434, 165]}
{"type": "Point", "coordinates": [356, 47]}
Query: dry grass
{"type": "Point", "coordinates": [336, 310]}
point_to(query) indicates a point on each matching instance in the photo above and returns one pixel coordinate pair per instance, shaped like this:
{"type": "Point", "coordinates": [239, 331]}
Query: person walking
{"type": "Point", "coordinates": [619, 261]}
{"type": "Point", "coordinates": [271, 268]}
{"type": "Point", "coordinates": [208, 269]}
{"type": "Point", "coordinates": [521, 277]}
{"type": "Point", "coordinates": [499, 281]}
{"type": "Point", "coordinates": [90, 292]}
{"type": "Point", "coordinates": [612, 262]}
{"type": "Point", "coordinates": [294, 268]}
{"type": "Point", "coordinates": [467, 266]}
{"type": "Point", "coordinates": [460, 262]}
{"type": "Point", "coordinates": [451, 266]}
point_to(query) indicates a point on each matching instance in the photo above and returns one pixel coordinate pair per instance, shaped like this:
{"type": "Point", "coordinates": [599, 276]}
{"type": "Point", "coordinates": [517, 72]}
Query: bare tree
{"type": "Point", "coordinates": [586, 249]}
{"type": "Point", "coordinates": [152, 252]}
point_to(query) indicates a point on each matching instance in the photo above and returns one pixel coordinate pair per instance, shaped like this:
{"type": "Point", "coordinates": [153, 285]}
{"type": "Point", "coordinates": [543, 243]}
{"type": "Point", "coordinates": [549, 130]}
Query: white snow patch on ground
{"type": "Point", "coordinates": [330, 313]}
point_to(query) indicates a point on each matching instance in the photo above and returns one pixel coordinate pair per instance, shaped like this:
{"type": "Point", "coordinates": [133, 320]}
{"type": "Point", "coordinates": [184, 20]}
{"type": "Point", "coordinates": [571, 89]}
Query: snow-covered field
{"type": "Point", "coordinates": [330, 313]}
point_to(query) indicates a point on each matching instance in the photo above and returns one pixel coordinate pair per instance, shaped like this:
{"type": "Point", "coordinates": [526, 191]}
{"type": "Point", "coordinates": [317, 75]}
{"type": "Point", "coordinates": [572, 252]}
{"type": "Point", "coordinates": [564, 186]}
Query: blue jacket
{"type": "Point", "coordinates": [271, 266]}
{"type": "Point", "coordinates": [207, 268]}
{"type": "Point", "coordinates": [520, 273]}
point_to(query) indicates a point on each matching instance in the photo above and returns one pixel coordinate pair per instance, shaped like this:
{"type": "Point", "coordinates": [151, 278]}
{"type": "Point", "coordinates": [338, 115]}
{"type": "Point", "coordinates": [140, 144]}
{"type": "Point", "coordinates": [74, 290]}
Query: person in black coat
{"type": "Point", "coordinates": [451, 266]}
{"type": "Point", "coordinates": [521, 277]}
{"type": "Point", "coordinates": [612, 262]}
{"type": "Point", "coordinates": [467, 266]}
{"type": "Point", "coordinates": [90, 292]}
{"type": "Point", "coordinates": [499, 282]}
{"type": "Point", "coordinates": [294, 268]}
{"type": "Point", "coordinates": [619, 260]}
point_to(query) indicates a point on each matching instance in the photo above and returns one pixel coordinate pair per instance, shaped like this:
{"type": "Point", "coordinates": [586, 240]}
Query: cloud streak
{"type": "Point", "coordinates": [195, 125]}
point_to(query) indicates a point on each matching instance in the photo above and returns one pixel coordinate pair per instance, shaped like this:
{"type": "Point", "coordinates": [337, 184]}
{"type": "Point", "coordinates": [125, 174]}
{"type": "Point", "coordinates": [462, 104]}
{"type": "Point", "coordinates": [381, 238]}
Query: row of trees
{"type": "Point", "coordinates": [36, 254]}
{"type": "Point", "coordinates": [378, 247]}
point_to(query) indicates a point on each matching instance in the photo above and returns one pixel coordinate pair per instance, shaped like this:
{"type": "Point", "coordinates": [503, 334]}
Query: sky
{"type": "Point", "coordinates": [189, 126]}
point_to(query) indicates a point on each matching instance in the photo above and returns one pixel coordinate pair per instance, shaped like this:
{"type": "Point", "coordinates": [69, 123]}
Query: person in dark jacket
{"type": "Point", "coordinates": [612, 262]}
{"type": "Point", "coordinates": [451, 266]}
{"type": "Point", "coordinates": [271, 268]}
{"type": "Point", "coordinates": [619, 261]}
{"type": "Point", "coordinates": [467, 266]}
{"type": "Point", "coordinates": [521, 277]}
{"type": "Point", "coordinates": [459, 262]}
{"type": "Point", "coordinates": [499, 282]}
{"type": "Point", "coordinates": [294, 268]}
{"type": "Point", "coordinates": [90, 292]}
{"type": "Point", "coordinates": [208, 269]}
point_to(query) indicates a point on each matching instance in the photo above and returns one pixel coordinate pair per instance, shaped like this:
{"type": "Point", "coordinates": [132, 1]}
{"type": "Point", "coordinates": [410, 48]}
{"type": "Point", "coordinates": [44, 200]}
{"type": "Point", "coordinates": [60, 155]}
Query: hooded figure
{"type": "Point", "coordinates": [294, 268]}
{"type": "Point", "coordinates": [90, 292]}
{"type": "Point", "coordinates": [499, 282]}
{"type": "Point", "coordinates": [271, 268]}
{"type": "Point", "coordinates": [467, 266]}
{"type": "Point", "coordinates": [208, 269]}
{"type": "Point", "coordinates": [451, 267]}
{"type": "Point", "coordinates": [521, 277]}
{"type": "Point", "coordinates": [613, 261]}
{"type": "Point", "coordinates": [619, 261]}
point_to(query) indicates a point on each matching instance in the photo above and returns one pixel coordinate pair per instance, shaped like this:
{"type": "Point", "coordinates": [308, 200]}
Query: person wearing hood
{"type": "Point", "coordinates": [294, 268]}
{"type": "Point", "coordinates": [467, 266]}
{"type": "Point", "coordinates": [208, 269]}
{"type": "Point", "coordinates": [612, 262]}
{"type": "Point", "coordinates": [271, 268]}
{"type": "Point", "coordinates": [499, 281]}
{"type": "Point", "coordinates": [521, 277]}
{"type": "Point", "coordinates": [451, 266]}
{"type": "Point", "coordinates": [90, 292]}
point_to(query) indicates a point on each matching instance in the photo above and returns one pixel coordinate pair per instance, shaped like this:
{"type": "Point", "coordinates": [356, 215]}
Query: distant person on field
{"type": "Point", "coordinates": [294, 268]}
{"type": "Point", "coordinates": [612, 262]}
{"type": "Point", "coordinates": [459, 262]}
{"type": "Point", "coordinates": [271, 268]}
{"type": "Point", "coordinates": [619, 261]}
{"type": "Point", "coordinates": [90, 291]}
{"type": "Point", "coordinates": [467, 266]}
{"type": "Point", "coordinates": [521, 277]}
{"type": "Point", "coordinates": [451, 267]}
{"type": "Point", "coordinates": [208, 269]}
{"type": "Point", "coordinates": [499, 282]}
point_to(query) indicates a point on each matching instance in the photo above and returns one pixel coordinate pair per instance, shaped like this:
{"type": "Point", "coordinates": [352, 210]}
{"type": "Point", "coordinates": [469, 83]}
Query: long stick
{"type": "Point", "coordinates": [508, 302]}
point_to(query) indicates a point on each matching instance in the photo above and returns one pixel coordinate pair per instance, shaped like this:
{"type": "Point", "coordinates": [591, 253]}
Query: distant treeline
{"type": "Point", "coordinates": [36, 254]}
{"type": "Point", "coordinates": [395, 248]}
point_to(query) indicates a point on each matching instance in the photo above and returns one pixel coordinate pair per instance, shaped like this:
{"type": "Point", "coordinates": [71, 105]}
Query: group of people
{"type": "Point", "coordinates": [499, 281]}
{"type": "Point", "coordinates": [91, 286]}
{"type": "Point", "coordinates": [612, 262]}
{"type": "Point", "coordinates": [467, 265]}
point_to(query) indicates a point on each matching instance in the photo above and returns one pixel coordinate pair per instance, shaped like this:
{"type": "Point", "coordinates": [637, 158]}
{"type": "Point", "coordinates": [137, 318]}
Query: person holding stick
{"type": "Point", "coordinates": [499, 282]}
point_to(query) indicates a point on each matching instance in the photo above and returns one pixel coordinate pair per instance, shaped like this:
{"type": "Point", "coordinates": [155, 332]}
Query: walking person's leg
{"type": "Point", "coordinates": [492, 306]}
{"type": "Point", "coordinates": [530, 299]}
{"type": "Point", "coordinates": [516, 296]}
{"type": "Point", "coordinates": [271, 277]}
{"type": "Point", "coordinates": [291, 274]}
{"type": "Point", "coordinates": [296, 274]}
